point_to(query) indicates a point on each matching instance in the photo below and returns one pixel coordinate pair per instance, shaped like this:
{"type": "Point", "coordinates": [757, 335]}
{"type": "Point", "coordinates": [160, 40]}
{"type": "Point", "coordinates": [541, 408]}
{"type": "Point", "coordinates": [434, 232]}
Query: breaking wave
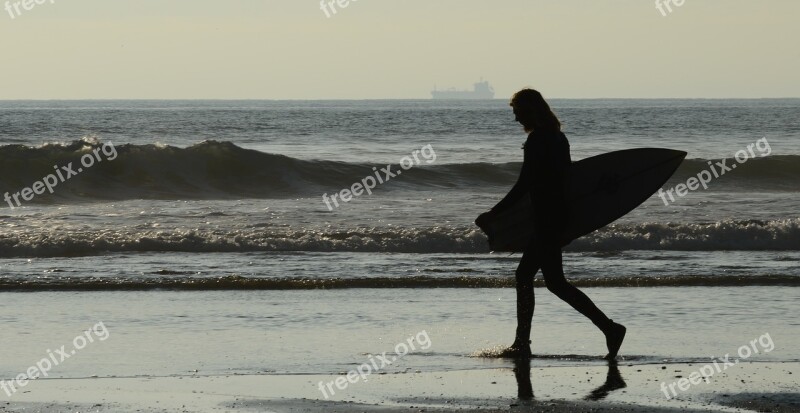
{"type": "Point", "coordinates": [750, 235]}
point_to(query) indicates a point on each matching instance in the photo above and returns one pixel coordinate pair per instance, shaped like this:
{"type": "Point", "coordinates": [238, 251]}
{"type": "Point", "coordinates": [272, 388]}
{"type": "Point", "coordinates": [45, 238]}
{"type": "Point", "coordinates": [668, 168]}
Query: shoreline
{"type": "Point", "coordinates": [627, 387]}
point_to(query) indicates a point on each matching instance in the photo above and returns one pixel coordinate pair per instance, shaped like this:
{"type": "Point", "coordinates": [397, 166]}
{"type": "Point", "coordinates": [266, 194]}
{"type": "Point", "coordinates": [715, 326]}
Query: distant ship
{"type": "Point", "coordinates": [480, 90]}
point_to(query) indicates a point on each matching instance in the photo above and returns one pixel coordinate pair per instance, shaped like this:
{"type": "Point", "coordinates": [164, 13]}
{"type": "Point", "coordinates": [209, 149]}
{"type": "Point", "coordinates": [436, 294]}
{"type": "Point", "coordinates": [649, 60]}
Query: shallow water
{"type": "Point", "coordinates": [167, 333]}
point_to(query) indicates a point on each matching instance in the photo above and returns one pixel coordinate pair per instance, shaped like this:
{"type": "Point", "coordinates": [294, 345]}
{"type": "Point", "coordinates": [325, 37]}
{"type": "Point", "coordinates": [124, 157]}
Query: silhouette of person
{"type": "Point", "coordinates": [522, 373]}
{"type": "Point", "coordinates": [545, 177]}
{"type": "Point", "coordinates": [613, 382]}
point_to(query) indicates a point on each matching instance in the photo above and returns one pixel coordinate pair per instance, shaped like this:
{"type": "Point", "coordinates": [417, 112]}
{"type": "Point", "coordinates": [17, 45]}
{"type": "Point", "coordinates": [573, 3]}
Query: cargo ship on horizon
{"type": "Point", "coordinates": [480, 90]}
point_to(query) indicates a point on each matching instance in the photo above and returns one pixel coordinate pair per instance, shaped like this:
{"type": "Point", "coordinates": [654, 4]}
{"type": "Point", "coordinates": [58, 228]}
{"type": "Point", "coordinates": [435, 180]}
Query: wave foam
{"type": "Point", "coordinates": [750, 235]}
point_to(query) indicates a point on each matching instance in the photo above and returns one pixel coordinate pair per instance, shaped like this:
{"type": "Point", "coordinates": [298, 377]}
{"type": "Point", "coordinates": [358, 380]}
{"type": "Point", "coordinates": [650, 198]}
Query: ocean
{"type": "Point", "coordinates": [204, 236]}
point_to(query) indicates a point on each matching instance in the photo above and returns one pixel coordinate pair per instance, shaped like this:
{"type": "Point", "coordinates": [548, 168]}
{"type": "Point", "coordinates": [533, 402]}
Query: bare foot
{"type": "Point", "coordinates": [614, 336]}
{"type": "Point", "coordinates": [517, 351]}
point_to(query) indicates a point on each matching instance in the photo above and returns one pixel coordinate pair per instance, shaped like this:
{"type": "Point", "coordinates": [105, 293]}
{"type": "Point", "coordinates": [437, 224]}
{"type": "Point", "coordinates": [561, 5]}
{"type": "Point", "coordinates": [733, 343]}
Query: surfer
{"type": "Point", "coordinates": [545, 176]}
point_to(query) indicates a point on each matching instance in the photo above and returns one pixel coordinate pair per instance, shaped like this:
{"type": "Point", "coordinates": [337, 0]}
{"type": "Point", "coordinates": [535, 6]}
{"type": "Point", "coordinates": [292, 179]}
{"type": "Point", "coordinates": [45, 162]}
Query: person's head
{"type": "Point", "coordinates": [533, 112]}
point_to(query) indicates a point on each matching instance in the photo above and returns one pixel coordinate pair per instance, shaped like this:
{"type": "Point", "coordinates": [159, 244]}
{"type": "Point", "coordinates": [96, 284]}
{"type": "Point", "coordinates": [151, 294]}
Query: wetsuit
{"type": "Point", "coordinates": [545, 176]}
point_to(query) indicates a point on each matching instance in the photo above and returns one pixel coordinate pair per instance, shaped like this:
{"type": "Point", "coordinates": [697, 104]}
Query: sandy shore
{"type": "Point", "coordinates": [629, 388]}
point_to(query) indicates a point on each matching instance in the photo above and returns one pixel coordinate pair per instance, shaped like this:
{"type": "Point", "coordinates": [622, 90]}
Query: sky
{"type": "Point", "coordinates": [383, 49]}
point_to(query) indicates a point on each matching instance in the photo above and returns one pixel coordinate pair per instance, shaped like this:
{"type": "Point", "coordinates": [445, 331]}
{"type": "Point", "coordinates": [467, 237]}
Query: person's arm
{"type": "Point", "coordinates": [549, 185]}
{"type": "Point", "coordinates": [523, 185]}
{"type": "Point", "coordinates": [521, 188]}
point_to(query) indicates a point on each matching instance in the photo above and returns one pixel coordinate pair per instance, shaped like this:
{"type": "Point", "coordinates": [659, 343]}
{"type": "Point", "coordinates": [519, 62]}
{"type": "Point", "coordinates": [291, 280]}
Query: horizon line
{"type": "Point", "coordinates": [384, 99]}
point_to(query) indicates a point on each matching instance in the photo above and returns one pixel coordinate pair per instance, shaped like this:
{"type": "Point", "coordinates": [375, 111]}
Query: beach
{"type": "Point", "coordinates": [563, 389]}
{"type": "Point", "coordinates": [270, 351]}
{"type": "Point", "coordinates": [197, 266]}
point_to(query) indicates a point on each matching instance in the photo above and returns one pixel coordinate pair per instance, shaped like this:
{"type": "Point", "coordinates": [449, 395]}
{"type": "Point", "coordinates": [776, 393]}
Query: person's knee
{"type": "Point", "coordinates": [527, 267]}
{"type": "Point", "coordinates": [556, 287]}
{"type": "Point", "coordinates": [523, 275]}
{"type": "Point", "coordinates": [556, 283]}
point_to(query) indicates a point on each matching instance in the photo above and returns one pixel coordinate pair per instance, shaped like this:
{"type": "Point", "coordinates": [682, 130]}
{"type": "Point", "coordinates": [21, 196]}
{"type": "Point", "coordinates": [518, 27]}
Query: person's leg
{"type": "Point", "coordinates": [525, 272]}
{"type": "Point", "coordinates": [553, 272]}
{"type": "Point", "coordinates": [554, 280]}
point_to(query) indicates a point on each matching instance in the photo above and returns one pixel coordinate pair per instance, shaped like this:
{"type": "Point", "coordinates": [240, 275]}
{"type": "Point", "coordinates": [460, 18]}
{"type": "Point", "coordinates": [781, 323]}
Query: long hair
{"type": "Point", "coordinates": [531, 103]}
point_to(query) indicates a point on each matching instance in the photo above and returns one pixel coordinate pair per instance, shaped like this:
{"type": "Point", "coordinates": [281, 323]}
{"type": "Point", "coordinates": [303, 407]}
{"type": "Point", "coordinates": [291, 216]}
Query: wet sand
{"type": "Point", "coordinates": [630, 388]}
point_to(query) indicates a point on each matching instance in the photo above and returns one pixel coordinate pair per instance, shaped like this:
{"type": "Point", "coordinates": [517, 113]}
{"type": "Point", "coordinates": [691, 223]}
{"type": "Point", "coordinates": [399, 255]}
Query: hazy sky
{"type": "Point", "coordinates": [289, 49]}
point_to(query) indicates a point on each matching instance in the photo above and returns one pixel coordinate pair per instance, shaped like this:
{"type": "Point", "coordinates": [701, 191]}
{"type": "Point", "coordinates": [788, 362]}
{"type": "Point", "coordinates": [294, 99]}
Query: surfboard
{"type": "Point", "coordinates": [602, 189]}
